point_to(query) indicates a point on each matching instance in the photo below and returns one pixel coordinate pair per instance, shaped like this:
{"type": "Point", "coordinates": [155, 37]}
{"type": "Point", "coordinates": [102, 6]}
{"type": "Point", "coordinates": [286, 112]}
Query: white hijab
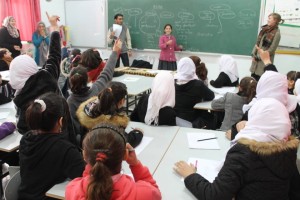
{"type": "Point", "coordinates": [297, 90]}
{"type": "Point", "coordinates": [186, 71]}
{"type": "Point", "coordinates": [227, 64]}
{"type": "Point", "coordinates": [21, 68]}
{"type": "Point", "coordinates": [13, 31]}
{"type": "Point", "coordinates": [162, 95]}
{"type": "Point", "coordinates": [273, 85]}
{"type": "Point", "coordinates": [269, 121]}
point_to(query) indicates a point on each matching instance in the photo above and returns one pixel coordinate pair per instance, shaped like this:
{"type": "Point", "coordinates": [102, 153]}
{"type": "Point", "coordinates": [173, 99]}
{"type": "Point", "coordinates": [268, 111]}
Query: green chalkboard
{"type": "Point", "coordinates": [217, 26]}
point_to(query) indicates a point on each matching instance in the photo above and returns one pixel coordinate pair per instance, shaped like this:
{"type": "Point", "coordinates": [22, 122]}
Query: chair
{"type": "Point", "coordinates": [13, 170]}
{"type": "Point", "coordinates": [11, 190]}
{"type": "Point", "coordinates": [183, 123]}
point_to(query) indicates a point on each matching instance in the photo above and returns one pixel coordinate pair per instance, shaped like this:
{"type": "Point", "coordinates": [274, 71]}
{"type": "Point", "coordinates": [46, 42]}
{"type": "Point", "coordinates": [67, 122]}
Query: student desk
{"type": "Point", "coordinates": [136, 85]}
{"type": "Point", "coordinates": [170, 184]}
{"type": "Point", "coordinates": [151, 156]}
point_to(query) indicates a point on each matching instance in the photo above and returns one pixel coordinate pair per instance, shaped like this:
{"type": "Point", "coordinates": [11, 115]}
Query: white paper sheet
{"type": "Point", "coordinates": [209, 169]}
{"type": "Point", "coordinates": [145, 141]}
{"type": "Point", "coordinates": [222, 90]}
{"type": "Point", "coordinates": [131, 79]}
{"type": "Point", "coordinates": [218, 96]}
{"type": "Point", "coordinates": [117, 29]}
{"type": "Point", "coordinates": [5, 75]}
{"type": "Point", "coordinates": [4, 115]}
{"type": "Point", "coordinates": [9, 105]}
{"type": "Point", "coordinates": [206, 144]}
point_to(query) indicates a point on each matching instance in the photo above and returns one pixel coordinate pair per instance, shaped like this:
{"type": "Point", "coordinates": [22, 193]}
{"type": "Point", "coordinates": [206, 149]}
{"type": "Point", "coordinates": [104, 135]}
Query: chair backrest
{"type": "Point", "coordinates": [13, 170]}
{"type": "Point", "coordinates": [11, 190]}
{"type": "Point", "coordinates": [183, 123]}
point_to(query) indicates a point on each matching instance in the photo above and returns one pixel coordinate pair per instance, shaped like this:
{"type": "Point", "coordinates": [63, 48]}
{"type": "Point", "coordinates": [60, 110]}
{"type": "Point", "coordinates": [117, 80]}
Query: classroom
{"type": "Point", "coordinates": [161, 99]}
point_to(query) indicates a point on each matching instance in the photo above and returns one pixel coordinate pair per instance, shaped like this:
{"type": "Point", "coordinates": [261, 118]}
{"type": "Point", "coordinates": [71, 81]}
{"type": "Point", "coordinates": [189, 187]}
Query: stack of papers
{"type": "Point", "coordinates": [206, 143]}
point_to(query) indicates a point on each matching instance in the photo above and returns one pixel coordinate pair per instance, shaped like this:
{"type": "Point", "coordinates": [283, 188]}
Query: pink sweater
{"type": "Point", "coordinates": [142, 187]}
{"type": "Point", "coordinates": [168, 51]}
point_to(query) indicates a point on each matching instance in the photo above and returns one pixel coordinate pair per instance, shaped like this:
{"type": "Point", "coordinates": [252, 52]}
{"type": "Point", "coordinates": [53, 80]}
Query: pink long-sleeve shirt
{"type": "Point", "coordinates": [168, 51]}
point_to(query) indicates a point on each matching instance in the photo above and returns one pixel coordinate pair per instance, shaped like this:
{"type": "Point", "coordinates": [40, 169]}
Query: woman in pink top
{"type": "Point", "coordinates": [168, 46]}
{"type": "Point", "coordinates": [104, 148]}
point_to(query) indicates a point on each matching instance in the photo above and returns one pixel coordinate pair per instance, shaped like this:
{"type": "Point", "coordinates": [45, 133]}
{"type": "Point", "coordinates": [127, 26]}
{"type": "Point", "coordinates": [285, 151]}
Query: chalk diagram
{"type": "Point", "coordinates": [219, 12]}
{"type": "Point", "coordinates": [246, 19]}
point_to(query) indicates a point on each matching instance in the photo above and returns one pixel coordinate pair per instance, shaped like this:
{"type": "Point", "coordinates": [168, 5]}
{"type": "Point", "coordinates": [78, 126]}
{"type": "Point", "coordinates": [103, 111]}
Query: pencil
{"type": "Point", "coordinates": [207, 139]}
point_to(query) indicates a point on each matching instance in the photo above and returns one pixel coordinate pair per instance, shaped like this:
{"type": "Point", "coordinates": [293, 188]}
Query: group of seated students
{"type": "Point", "coordinates": [83, 137]}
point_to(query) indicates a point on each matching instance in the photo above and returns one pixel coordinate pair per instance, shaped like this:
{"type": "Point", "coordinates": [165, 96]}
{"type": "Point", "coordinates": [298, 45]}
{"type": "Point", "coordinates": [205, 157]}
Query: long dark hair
{"type": "Point", "coordinates": [248, 88]}
{"type": "Point", "coordinates": [109, 99]}
{"type": "Point", "coordinates": [104, 149]}
{"type": "Point", "coordinates": [90, 59]}
{"type": "Point", "coordinates": [45, 120]}
{"type": "Point", "coordinates": [78, 80]}
{"type": "Point", "coordinates": [201, 69]}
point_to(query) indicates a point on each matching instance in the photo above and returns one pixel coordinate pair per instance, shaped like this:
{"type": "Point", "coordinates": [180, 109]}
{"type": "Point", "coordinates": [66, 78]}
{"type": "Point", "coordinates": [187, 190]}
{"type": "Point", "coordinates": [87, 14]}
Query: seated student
{"type": "Point", "coordinates": [201, 70]}
{"type": "Point", "coordinates": [80, 92]}
{"type": "Point", "coordinates": [189, 91]}
{"type": "Point", "coordinates": [271, 85]}
{"type": "Point", "coordinates": [6, 92]}
{"type": "Point", "coordinates": [92, 60]}
{"type": "Point", "coordinates": [233, 102]}
{"type": "Point", "coordinates": [104, 149]}
{"type": "Point", "coordinates": [46, 158]}
{"type": "Point", "coordinates": [30, 82]}
{"type": "Point", "coordinates": [5, 59]}
{"type": "Point", "coordinates": [107, 107]}
{"type": "Point", "coordinates": [260, 164]}
{"type": "Point", "coordinates": [292, 77]}
{"type": "Point", "coordinates": [229, 75]}
{"type": "Point", "coordinates": [157, 108]}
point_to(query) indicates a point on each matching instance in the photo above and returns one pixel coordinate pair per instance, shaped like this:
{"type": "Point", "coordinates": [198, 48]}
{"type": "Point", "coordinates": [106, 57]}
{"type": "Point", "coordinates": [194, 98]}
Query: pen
{"type": "Point", "coordinates": [207, 139]}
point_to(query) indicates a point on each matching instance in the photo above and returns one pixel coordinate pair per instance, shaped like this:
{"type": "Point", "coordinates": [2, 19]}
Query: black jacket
{"type": "Point", "coordinates": [252, 171]}
{"type": "Point", "coordinates": [46, 160]}
{"type": "Point", "coordinates": [3, 65]}
{"type": "Point", "coordinates": [188, 95]}
{"type": "Point", "coordinates": [223, 80]}
{"type": "Point", "coordinates": [45, 80]}
{"type": "Point", "coordinates": [8, 42]}
{"type": "Point", "coordinates": [166, 116]}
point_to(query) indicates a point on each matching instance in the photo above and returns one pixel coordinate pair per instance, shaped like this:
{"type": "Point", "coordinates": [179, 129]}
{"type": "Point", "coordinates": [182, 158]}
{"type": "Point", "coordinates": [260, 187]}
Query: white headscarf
{"type": "Point", "coordinates": [269, 121]}
{"type": "Point", "coordinates": [13, 31]}
{"type": "Point", "coordinates": [162, 95]}
{"type": "Point", "coordinates": [228, 65]}
{"type": "Point", "coordinates": [21, 68]}
{"type": "Point", "coordinates": [273, 85]}
{"type": "Point", "coordinates": [186, 70]}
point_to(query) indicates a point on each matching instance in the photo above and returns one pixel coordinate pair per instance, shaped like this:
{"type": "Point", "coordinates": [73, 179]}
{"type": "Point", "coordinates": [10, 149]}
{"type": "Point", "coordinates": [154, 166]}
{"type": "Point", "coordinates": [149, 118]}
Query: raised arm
{"type": "Point", "coordinates": [53, 62]}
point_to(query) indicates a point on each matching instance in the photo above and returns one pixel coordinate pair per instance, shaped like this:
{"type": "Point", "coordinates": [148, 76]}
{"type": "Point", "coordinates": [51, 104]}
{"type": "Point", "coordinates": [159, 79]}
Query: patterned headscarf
{"type": "Point", "coordinates": [12, 30]}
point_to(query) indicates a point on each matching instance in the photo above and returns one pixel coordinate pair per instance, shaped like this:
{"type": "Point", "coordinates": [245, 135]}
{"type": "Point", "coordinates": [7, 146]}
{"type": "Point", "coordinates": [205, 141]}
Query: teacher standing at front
{"type": "Point", "coordinates": [268, 40]}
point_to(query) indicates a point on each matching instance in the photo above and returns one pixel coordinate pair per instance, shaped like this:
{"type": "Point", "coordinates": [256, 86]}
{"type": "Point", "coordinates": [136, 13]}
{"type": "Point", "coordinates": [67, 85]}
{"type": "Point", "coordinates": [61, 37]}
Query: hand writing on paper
{"type": "Point", "coordinates": [131, 158]}
{"type": "Point", "coordinates": [184, 169]}
{"type": "Point", "coordinates": [264, 55]}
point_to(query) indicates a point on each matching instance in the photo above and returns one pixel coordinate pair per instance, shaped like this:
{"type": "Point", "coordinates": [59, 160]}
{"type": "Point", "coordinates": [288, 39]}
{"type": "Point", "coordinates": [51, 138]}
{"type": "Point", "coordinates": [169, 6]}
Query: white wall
{"type": "Point", "coordinates": [53, 7]}
{"type": "Point", "coordinates": [283, 62]}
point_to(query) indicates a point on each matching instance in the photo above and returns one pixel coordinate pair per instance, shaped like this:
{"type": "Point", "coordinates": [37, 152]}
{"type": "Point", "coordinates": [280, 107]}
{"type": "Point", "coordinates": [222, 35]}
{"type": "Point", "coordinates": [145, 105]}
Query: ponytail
{"type": "Point", "coordinates": [34, 116]}
{"type": "Point", "coordinates": [201, 70]}
{"type": "Point", "coordinates": [248, 88]}
{"type": "Point", "coordinates": [78, 80]}
{"type": "Point", "coordinates": [101, 185]}
{"type": "Point", "coordinates": [106, 104]}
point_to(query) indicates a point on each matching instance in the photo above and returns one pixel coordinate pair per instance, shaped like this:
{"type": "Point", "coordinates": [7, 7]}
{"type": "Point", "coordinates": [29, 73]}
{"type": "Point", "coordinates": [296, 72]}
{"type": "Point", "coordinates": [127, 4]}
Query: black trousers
{"type": "Point", "coordinates": [125, 60]}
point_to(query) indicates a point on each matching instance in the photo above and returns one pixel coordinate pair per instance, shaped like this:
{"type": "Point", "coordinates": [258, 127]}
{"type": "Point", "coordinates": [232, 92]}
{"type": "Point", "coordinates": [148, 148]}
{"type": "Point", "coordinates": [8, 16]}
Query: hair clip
{"type": "Point", "coordinates": [101, 157]}
{"type": "Point", "coordinates": [42, 103]}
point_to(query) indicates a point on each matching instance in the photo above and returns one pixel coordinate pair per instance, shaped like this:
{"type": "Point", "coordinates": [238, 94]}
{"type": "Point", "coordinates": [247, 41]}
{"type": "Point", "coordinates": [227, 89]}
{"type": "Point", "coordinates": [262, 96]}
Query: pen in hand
{"type": "Point", "coordinates": [207, 139]}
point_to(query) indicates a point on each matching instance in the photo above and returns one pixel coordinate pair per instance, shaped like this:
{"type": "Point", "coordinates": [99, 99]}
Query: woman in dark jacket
{"type": "Point", "coordinates": [189, 91]}
{"type": "Point", "coordinates": [10, 36]}
{"type": "Point", "coordinates": [157, 108]}
{"type": "Point", "coordinates": [261, 164]}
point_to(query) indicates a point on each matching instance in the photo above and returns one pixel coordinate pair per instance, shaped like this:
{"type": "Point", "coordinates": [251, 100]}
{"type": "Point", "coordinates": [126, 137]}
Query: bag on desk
{"type": "Point", "coordinates": [141, 64]}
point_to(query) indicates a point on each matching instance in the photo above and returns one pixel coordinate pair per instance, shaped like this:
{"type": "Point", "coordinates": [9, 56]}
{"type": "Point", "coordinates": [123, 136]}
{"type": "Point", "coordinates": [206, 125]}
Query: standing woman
{"type": "Point", "coordinates": [40, 39]}
{"type": "Point", "coordinates": [268, 40]}
{"type": "Point", "coordinates": [168, 46]}
{"type": "Point", "coordinates": [10, 36]}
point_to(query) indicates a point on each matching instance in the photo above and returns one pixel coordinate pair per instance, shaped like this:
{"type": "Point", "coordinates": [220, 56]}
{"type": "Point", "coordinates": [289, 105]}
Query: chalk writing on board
{"type": "Point", "coordinates": [150, 22]}
{"type": "Point", "coordinates": [246, 19]}
{"type": "Point", "coordinates": [133, 15]}
{"type": "Point", "coordinates": [184, 26]}
{"type": "Point", "coordinates": [166, 15]}
{"type": "Point", "coordinates": [223, 12]}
